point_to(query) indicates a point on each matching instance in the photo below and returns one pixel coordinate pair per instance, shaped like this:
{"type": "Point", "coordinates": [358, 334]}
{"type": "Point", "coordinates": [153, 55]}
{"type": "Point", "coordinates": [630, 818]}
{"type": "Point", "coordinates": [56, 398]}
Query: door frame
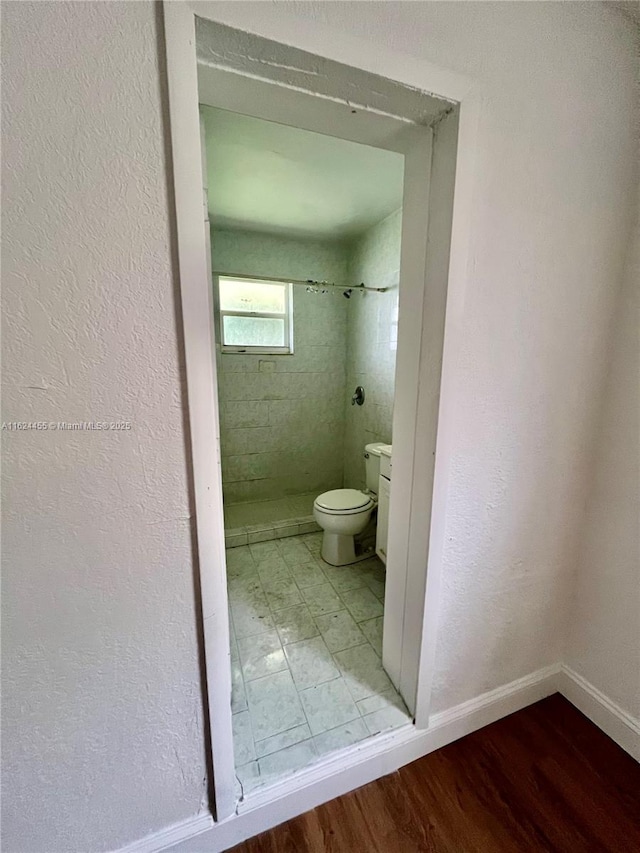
{"type": "Point", "coordinates": [434, 395]}
{"type": "Point", "coordinates": [237, 93]}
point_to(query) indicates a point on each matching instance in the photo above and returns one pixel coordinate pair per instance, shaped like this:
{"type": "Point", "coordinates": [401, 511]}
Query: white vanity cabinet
{"type": "Point", "coordinates": [384, 489]}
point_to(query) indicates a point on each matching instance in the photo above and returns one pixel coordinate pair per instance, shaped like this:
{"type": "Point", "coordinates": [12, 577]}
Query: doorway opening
{"type": "Point", "coordinates": [250, 78]}
{"type": "Point", "coordinates": [305, 250]}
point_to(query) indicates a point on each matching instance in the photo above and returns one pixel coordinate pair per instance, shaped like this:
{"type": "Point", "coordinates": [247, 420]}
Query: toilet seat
{"type": "Point", "coordinates": [343, 514]}
{"type": "Point", "coordinates": [343, 502]}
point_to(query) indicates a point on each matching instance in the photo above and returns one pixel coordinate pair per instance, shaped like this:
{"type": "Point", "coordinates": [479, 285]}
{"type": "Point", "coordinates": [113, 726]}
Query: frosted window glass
{"type": "Point", "coordinates": [254, 331]}
{"type": "Point", "coordinates": [251, 296]}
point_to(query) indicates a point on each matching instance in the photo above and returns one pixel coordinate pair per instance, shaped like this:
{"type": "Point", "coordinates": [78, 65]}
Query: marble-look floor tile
{"type": "Point", "coordinates": [288, 738]}
{"type": "Point", "coordinates": [281, 591]}
{"type": "Point", "coordinates": [261, 655]}
{"type": "Point", "coordinates": [363, 672]}
{"type": "Point", "coordinates": [386, 718]}
{"type": "Point", "coordinates": [362, 604]}
{"type": "Point", "coordinates": [238, 695]}
{"type": "Point", "coordinates": [244, 585]}
{"type": "Point", "coordinates": [372, 629]}
{"type": "Point", "coordinates": [377, 588]}
{"type": "Point", "coordinates": [243, 746]}
{"type": "Point", "coordinates": [341, 737]}
{"type": "Point", "coordinates": [310, 662]}
{"type": "Point", "coordinates": [313, 542]}
{"type": "Point", "coordinates": [294, 624]}
{"type": "Point", "coordinates": [339, 631]}
{"type": "Point", "coordinates": [287, 760]}
{"type": "Point", "coordinates": [344, 578]}
{"type": "Point", "coordinates": [308, 574]}
{"type": "Point", "coordinates": [271, 566]}
{"type": "Point", "coordinates": [239, 558]}
{"type": "Point", "coordinates": [279, 583]}
{"type": "Point", "coordinates": [291, 546]}
{"type": "Point", "coordinates": [379, 701]}
{"type": "Point", "coordinates": [248, 776]}
{"type": "Point", "coordinates": [250, 620]}
{"type": "Point", "coordinates": [233, 642]}
{"type": "Point", "coordinates": [281, 600]}
{"type": "Point", "coordinates": [328, 705]}
{"type": "Point", "coordinates": [295, 553]}
{"type": "Point", "coordinates": [374, 567]}
{"type": "Point", "coordinates": [260, 550]}
{"type": "Point", "coordinates": [274, 705]}
{"type": "Point", "coordinates": [297, 694]}
{"type": "Point", "coordinates": [322, 599]}
{"type": "Point", "coordinates": [238, 571]}
{"type": "Point", "coordinates": [251, 597]}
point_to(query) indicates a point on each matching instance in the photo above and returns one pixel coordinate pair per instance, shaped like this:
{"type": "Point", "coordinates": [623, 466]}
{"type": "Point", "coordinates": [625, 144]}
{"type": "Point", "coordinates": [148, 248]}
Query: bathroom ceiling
{"type": "Point", "coordinates": [282, 180]}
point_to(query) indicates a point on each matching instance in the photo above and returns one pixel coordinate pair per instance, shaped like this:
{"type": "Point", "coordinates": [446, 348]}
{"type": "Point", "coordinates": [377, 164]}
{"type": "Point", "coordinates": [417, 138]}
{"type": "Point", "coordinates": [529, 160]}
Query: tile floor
{"type": "Point", "coordinates": [259, 512]}
{"type": "Point", "coordinates": [259, 521]}
{"type": "Point", "coordinates": [306, 641]}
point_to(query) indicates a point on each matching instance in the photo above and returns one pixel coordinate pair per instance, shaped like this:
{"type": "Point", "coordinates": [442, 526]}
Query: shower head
{"type": "Point", "coordinates": [347, 293]}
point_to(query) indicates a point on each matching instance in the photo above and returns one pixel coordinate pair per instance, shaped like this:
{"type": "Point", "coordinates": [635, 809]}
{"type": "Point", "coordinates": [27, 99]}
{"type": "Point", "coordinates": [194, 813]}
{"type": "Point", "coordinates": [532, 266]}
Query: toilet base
{"type": "Point", "coordinates": [340, 550]}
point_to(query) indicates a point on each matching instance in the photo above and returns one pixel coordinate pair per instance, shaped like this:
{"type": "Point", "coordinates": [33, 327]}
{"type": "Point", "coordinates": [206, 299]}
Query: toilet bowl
{"type": "Point", "coordinates": [343, 513]}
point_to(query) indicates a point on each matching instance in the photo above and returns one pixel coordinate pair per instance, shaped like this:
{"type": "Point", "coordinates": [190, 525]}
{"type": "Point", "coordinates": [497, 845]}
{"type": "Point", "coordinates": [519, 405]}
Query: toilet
{"type": "Point", "coordinates": [343, 513]}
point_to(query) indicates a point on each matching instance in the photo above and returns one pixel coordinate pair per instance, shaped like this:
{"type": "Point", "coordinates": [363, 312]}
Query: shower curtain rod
{"type": "Point", "coordinates": [308, 282]}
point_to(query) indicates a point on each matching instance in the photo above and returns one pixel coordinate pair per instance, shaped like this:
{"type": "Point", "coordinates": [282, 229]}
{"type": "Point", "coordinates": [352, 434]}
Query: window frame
{"type": "Point", "coordinates": [287, 316]}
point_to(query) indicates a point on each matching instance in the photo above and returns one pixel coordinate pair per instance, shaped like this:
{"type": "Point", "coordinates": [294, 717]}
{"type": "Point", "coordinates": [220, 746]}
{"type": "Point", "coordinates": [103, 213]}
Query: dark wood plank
{"type": "Point", "coordinates": [544, 779]}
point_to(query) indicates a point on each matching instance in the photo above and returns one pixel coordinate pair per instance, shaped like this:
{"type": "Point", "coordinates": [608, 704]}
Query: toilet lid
{"type": "Point", "coordinates": [343, 499]}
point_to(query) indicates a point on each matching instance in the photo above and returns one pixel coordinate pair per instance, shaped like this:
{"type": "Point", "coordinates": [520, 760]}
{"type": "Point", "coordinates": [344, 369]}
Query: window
{"type": "Point", "coordinates": [255, 316]}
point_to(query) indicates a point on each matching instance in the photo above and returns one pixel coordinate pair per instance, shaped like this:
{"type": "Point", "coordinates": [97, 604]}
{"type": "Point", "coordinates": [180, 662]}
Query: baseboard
{"type": "Point", "coordinates": [508, 698]}
{"type": "Point", "coordinates": [166, 838]}
{"type": "Point", "coordinates": [611, 718]}
{"type": "Point", "coordinates": [379, 756]}
{"type": "Point", "coordinates": [351, 769]}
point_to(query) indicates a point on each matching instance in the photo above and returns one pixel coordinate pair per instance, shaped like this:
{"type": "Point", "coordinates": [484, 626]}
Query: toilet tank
{"type": "Point", "coordinates": [372, 464]}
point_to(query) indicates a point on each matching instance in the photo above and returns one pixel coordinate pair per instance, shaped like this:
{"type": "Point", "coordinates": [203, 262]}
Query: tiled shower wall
{"type": "Point", "coordinates": [282, 416]}
{"type": "Point", "coordinates": [372, 334]}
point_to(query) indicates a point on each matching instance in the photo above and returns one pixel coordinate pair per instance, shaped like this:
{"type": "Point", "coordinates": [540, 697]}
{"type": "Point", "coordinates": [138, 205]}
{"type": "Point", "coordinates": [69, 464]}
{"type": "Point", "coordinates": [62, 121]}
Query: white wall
{"type": "Point", "coordinates": [102, 711]}
{"type": "Point", "coordinates": [604, 628]}
{"type": "Point", "coordinates": [372, 336]}
{"type": "Point", "coordinates": [102, 703]}
{"type": "Point", "coordinates": [553, 204]}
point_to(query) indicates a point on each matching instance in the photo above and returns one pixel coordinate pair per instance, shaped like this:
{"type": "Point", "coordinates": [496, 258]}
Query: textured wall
{"type": "Point", "coordinates": [604, 628]}
{"type": "Point", "coordinates": [552, 203]}
{"type": "Point", "coordinates": [372, 326]}
{"type": "Point", "coordinates": [283, 432]}
{"type": "Point", "coordinates": [101, 714]}
{"type": "Point", "coordinates": [101, 701]}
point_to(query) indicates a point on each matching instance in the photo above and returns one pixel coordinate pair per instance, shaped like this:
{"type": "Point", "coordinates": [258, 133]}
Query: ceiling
{"type": "Point", "coordinates": [269, 177]}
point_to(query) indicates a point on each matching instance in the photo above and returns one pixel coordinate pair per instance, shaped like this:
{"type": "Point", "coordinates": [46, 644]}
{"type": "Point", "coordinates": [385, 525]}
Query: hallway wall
{"type": "Point", "coordinates": [103, 728]}
{"type": "Point", "coordinates": [603, 637]}
{"type": "Point", "coordinates": [103, 725]}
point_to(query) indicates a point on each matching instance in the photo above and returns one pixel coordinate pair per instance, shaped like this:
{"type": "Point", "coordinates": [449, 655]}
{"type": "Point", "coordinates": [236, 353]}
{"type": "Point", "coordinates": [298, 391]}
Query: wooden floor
{"type": "Point", "coordinates": [544, 779]}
